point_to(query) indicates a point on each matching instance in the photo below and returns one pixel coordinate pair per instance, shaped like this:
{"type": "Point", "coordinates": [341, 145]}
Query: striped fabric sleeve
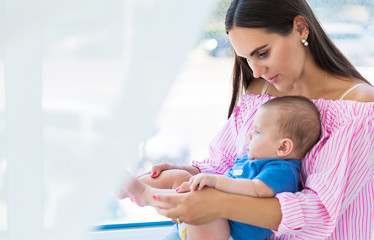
{"type": "Point", "coordinates": [343, 168]}
{"type": "Point", "coordinates": [223, 148]}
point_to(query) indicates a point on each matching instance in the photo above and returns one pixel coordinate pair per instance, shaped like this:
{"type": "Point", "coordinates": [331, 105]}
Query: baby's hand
{"type": "Point", "coordinates": [200, 180]}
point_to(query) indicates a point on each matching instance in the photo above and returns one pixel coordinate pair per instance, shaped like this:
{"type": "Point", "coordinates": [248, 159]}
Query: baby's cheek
{"type": "Point", "coordinates": [250, 155]}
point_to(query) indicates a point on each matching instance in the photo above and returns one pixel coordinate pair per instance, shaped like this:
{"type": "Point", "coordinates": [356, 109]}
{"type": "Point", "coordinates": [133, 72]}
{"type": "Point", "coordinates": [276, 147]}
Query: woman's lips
{"type": "Point", "coordinates": [273, 79]}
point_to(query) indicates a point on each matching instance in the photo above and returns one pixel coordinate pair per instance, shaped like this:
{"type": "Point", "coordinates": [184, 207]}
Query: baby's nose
{"type": "Point", "coordinates": [250, 135]}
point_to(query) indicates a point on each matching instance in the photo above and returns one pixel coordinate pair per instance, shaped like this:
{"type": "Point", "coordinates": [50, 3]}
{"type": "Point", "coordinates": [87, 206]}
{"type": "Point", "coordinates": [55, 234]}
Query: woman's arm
{"type": "Point", "coordinates": [208, 204]}
{"type": "Point", "coordinates": [260, 212]}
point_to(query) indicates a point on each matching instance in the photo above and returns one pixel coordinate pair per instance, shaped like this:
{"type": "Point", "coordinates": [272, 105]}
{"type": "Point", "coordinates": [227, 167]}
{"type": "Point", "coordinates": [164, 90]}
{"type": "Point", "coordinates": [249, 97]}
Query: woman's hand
{"type": "Point", "coordinates": [157, 169]}
{"type": "Point", "coordinates": [193, 207]}
{"type": "Point", "coordinates": [204, 206]}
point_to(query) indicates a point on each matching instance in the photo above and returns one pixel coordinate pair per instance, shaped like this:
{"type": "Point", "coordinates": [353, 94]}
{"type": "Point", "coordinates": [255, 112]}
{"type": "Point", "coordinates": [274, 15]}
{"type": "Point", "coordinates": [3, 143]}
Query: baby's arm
{"type": "Point", "coordinates": [253, 188]}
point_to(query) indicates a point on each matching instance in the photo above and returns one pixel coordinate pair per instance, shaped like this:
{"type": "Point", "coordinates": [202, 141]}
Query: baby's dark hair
{"type": "Point", "coordinates": [299, 120]}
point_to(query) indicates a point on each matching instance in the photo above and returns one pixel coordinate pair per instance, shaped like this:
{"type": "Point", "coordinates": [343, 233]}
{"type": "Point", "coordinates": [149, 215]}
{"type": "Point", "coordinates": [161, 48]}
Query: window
{"type": "Point", "coordinates": [89, 89]}
{"type": "Point", "coordinates": [198, 98]}
{"type": "Point", "coordinates": [201, 87]}
{"type": "Point", "coordinates": [3, 162]}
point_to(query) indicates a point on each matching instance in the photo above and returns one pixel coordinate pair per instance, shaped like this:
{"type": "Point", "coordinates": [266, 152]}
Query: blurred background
{"type": "Point", "coordinates": [90, 89]}
{"type": "Point", "coordinates": [197, 103]}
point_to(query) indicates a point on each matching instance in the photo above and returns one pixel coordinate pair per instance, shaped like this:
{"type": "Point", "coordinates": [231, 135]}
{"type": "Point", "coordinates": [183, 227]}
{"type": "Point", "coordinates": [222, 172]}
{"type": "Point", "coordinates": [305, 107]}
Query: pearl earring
{"type": "Point", "coordinates": [305, 42]}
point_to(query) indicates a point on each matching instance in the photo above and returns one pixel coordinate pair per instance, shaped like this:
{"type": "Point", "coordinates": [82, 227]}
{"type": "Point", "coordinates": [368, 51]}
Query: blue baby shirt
{"type": "Point", "coordinates": [280, 175]}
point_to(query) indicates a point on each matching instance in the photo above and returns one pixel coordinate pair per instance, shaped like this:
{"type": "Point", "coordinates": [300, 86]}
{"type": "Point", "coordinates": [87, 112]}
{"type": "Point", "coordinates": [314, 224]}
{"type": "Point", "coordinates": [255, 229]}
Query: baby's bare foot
{"type": "Point", "coordinates": [122, 194]}
{"type": "Point", "coordinates": [141, 193]}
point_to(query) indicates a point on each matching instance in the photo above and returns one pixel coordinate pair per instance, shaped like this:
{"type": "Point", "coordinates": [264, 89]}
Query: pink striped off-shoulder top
{"type": "Point", "coordinates": [337, 174]}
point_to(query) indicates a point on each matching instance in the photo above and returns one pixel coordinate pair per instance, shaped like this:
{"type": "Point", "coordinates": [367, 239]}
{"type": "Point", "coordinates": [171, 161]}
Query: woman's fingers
{"type": "Point", "coordinates": [192, 207]}
{"type": "Point", "coordinates": [143, 174]}
{"type": "Point", "coordinates": [173, 199]}
{"type": "Point", "coordinates": [171, 213]}
{"type": "Point", "coordinates": [157, 169]}
{"type": "Point", "coordinates": [192, 183]}
{"type": "Point", "coordinates": [184, 187]}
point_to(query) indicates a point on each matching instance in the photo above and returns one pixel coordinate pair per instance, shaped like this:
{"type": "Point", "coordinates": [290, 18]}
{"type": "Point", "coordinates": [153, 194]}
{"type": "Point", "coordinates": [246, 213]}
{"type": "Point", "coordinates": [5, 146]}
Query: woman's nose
{"type": "Point", "coordinates": [257, 69]}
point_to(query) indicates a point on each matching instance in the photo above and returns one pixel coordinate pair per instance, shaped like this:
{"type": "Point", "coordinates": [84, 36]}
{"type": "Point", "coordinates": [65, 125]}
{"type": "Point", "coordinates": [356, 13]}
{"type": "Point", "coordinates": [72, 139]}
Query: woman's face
{"type": "Point", "coordinates": [277, 59]}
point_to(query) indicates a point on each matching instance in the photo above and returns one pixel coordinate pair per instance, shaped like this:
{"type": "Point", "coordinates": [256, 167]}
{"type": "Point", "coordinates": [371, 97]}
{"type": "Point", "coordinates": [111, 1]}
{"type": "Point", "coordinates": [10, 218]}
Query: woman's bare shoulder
{"type": "Point", "coordinates": [256, 86]}
{"type": "Point", "coordinates": [363, 93]}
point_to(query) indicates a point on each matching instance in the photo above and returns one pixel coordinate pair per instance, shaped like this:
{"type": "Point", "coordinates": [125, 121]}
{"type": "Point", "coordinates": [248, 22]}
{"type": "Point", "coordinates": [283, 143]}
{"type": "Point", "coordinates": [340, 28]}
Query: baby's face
{"type": "Point", "coordinates": [264, 139]}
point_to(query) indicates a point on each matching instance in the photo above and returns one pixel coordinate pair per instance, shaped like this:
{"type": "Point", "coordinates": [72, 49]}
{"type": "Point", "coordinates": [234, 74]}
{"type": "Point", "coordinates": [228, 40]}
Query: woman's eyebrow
{"type": "Point", "coordinates": [257, 49]}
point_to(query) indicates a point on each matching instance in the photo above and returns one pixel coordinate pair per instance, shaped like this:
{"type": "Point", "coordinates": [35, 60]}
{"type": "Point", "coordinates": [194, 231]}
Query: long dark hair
{"type": "Point", "coordinates": [276, 16]}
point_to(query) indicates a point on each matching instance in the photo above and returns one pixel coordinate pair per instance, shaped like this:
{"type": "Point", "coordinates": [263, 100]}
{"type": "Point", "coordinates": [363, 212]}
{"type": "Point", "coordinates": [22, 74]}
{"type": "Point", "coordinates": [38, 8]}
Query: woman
{"type": "Point", "coordinates": [281, 49]}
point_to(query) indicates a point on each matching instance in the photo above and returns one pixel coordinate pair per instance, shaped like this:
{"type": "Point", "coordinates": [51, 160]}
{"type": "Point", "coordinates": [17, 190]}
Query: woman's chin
{"type": "Point", "coordinates": [282, 89]}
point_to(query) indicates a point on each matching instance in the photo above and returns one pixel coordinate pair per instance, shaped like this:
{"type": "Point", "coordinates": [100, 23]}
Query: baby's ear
{"type": "Point", "coordinates": [285, 148]}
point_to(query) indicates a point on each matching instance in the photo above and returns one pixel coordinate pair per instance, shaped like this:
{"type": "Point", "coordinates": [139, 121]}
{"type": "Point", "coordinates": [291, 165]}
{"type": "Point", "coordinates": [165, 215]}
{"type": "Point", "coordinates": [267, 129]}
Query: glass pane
{"type": "Point", "coordinates": [196, 106]}
{"type": "Point", "coordinates": [197, 99]}
{"type": "Point", "coordinates": [3, 143]}
{"type": "Point", "coordinates": [83, 72]}
{"type": "Point", "coordinates": [349, 25]}
{"type": "Point", "coordinates": [3, 160]}
{"type": "Point", "coordinates": [85, 63]}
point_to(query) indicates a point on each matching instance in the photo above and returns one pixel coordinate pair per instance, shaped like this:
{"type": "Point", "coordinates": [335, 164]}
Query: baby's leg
{"type": "Point", "coordinates": [169, 179]}
{"type": "Point", "coordinates": [219, 229]}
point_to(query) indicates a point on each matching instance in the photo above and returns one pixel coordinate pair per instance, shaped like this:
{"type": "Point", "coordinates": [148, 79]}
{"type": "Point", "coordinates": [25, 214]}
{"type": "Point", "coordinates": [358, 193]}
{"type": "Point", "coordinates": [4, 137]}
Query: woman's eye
{"type": "Point", "coordinates": [263, 54]}
{"type": "Point", "coordinates": [257, 132]}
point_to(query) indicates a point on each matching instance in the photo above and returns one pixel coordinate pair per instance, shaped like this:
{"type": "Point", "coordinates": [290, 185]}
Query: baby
{"type": "Point", "coordinates": [285, 129]}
